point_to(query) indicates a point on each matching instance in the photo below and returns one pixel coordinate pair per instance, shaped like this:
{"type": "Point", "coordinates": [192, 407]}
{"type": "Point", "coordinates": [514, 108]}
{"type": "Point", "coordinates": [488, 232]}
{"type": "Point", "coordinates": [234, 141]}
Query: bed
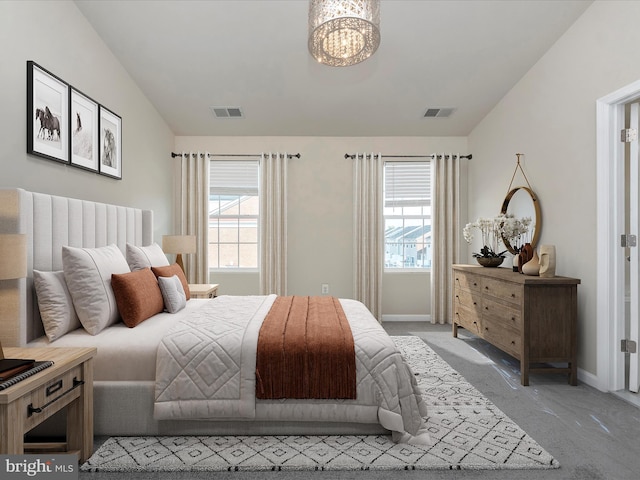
{"type": "Point", "coordinates": [125, 383]}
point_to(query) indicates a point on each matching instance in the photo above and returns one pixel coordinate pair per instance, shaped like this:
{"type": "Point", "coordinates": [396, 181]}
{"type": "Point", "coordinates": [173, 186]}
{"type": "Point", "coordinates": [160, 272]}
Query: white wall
{"type": "Point", "coordinates": [320, 218]}
{"type": "Point", "coordinates": [550, 116]}
{"type": "Point", "coordinates": [56, 35]}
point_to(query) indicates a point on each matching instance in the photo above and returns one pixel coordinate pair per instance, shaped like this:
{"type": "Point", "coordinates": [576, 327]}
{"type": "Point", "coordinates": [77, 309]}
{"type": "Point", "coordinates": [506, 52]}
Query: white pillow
{"type": "Point", "coordinates": [172, 293]}
{"type": "Point", "coordinates": [145, 257]}
{"type": "Point", "coordinates": [88, 274]}
{"type": "Point", "coordinates": [55, 303]}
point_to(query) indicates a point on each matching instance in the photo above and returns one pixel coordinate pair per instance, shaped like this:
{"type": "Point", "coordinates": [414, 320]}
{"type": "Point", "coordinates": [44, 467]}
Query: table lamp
{"type": "Point", "coordinates": [13, 256]}
{"type": "Point", "coordinates": [179, 244]}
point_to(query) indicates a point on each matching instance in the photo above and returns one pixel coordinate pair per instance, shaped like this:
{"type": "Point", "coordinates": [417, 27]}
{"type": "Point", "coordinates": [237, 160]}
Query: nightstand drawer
{"type": "Point", "coordinates": [49, 398]}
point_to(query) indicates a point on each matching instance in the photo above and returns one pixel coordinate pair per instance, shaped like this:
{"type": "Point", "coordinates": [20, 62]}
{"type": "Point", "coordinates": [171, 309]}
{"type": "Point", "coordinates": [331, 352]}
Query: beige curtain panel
{"type": "Point", "coordinates": [445, 233]}
{"type": "Point", "coordinates": [273, 224]}
{"type": "Point", "coordinates": [368, 230]}
{"type": "Point", "coordinates": [193, 218]}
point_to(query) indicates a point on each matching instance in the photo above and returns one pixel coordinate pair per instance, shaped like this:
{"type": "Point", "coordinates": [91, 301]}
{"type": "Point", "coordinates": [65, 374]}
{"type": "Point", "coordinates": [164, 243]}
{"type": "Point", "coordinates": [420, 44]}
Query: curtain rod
{"type": "Point", "coordinates": [289, 155]}
{"type": "Point", "coordinates": [469, 157]}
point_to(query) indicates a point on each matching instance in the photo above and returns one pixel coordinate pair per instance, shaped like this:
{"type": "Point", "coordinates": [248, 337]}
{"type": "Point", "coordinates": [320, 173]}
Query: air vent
{"type": "Point", "coordinates": [227, 112]}
{"type": "Point", "coordinates": [438, 112]}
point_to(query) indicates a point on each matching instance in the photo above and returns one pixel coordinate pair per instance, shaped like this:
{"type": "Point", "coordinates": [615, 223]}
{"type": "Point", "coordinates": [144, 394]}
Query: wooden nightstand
{"type": "Point", "coordinates": [203, 290]}
{"type": "Point", "coordinates": [67, 383]}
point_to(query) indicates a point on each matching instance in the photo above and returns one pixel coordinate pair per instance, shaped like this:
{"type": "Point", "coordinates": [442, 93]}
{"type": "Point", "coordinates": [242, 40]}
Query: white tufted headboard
{"type": "Point", "coordinates": [50, 222]}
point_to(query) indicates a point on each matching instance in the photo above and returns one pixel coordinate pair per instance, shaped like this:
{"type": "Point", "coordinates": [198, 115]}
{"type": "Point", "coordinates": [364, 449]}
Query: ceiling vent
{"type": "Point", "coordinates": [227, 112]}
{"type": "Point", "coordinates": [438, 112]}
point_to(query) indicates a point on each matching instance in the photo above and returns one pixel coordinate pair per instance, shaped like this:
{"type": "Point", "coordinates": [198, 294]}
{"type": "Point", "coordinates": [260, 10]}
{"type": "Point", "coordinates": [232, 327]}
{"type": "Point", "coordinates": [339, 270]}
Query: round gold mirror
{"type": "Point", "coordinates": [522, 202]}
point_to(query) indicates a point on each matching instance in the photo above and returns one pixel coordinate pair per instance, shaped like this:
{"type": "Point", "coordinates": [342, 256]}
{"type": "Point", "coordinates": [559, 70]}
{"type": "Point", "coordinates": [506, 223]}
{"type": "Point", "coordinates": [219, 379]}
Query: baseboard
{"type": "Point", "coordinates": [406, 318]}
{"type": "Point", "coordinates": [589, 378]}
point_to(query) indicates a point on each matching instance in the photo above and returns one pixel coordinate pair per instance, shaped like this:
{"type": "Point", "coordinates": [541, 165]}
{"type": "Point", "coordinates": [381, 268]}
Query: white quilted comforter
{"type": "Point", "coordinates": [206, 370]}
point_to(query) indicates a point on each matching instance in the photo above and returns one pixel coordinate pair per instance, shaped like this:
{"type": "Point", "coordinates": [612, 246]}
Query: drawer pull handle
{"type": "Point", "coordinates": [31, 409]}
{"type": "Point", "coordinates": [475, 303]}
{"type": "Point", "coordinates": [513, 318]}
{"type": "Point", "coordinates": [53, 388]}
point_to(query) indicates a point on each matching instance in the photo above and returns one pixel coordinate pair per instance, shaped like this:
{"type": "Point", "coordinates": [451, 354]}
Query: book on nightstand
{"type": "Point", "coordinates": [13, 370]}
{"type": "Point", "coordinates": [37, 367]}
{"type": "Point", "coordinates": [13, 366]}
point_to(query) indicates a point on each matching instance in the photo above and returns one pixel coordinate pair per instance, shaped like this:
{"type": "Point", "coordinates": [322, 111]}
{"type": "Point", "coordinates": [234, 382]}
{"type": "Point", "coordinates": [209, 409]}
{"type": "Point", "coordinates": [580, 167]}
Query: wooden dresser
{"type": "Point", "coordinates": [531, 318]}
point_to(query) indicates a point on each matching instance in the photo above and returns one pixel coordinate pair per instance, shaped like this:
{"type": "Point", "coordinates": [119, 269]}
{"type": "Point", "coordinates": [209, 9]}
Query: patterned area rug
{"type": "Point", "coordinates": [467, 430]}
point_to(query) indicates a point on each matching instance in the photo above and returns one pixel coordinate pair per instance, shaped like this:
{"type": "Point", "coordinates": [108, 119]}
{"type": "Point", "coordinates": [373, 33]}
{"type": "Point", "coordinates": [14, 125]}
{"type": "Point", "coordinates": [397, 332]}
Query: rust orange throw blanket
{"type": "Point", "coordinates": [305, 350]}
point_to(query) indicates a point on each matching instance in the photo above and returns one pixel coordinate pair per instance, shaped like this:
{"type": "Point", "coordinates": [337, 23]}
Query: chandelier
{"type": "Point", "coordinates": [343, 32]}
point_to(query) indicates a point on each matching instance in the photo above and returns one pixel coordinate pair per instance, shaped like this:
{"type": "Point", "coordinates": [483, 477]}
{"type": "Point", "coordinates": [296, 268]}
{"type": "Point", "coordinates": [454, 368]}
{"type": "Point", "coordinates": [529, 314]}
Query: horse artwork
{"type": "Point", "coordinates": [78, 122]}
{"type": "Point", "coordinates": [109, 157]}
{"type": "Point", "coordinates": [48, 102]}
{"type": "Point", "coordinates": [49, 124]}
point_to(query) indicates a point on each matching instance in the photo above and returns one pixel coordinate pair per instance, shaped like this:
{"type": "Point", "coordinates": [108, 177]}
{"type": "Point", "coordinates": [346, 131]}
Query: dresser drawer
{"type": "Point", "coordinates": [509, 292]}
{"type": "Point", "coordinates": [50, 397]}
{"type": "Point", "coordinates": [469, 320]}
{"type": "Point", "coordinates": [505, 338]}
{"type": "Point", "coordinates": [501, 314]}
{"type": "Point", "coordinates": [466, 281]}
{"type": "Point", "coordinates": [467, 299]}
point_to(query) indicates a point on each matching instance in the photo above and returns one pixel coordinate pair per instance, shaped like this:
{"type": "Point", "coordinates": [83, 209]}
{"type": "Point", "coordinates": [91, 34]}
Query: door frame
{"type": "Point", "coordinates": [610, 278]}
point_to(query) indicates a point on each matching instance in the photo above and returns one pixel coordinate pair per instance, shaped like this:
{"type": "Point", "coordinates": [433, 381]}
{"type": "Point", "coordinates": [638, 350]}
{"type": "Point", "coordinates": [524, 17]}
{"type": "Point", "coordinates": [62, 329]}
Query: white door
{"type": "Point", "coordinates": [634, 262]}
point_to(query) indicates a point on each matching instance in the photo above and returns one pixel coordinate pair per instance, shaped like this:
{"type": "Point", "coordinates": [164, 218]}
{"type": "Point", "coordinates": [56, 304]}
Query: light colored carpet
{"type": "Point", "coordinates": [467, 430]}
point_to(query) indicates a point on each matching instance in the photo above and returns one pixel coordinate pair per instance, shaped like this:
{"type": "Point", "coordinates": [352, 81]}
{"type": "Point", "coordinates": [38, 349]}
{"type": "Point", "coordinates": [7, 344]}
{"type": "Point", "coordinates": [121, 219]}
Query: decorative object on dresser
{"type": "Point", "coordinates": [68, 382]}
{"type": "Point", "coordinates": [532, 267]}
{"type": "Point", "coordinates": [531, 318]}
{"type": "Point", "coordinates": [494, 231]}
{"type": "Point", "coordinates": [179, 244]}
{"type": "Point", "coordinates": [203, 290]}
{"type": "Point", "coordinates": [547, 261]}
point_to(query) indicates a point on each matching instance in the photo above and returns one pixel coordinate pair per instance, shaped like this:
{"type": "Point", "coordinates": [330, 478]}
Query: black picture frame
{"type": "Point", "coordinates": [84, 131]}
{"type": "Point", "coordinates": [47, 114]}
{"type": "Point", "coordinates": [110, 158]}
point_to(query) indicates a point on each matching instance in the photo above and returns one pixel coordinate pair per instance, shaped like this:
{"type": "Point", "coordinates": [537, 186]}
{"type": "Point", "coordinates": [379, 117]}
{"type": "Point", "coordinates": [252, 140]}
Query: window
{"type": "Point", "coordinates": [407, 215]}
{"type": "Point", "coordinates": [234, 207]}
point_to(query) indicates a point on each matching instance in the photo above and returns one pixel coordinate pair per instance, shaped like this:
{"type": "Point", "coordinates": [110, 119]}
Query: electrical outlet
{"type": "Point", "coordinates": [325, 288]}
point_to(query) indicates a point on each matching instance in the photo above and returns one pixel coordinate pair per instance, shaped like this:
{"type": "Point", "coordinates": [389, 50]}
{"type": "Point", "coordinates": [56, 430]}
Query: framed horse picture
{"type": "Point", "coordinates": [47, 114]}
{"type": "Point", "coordinates": [83, 131]}
{"type": "Point", "coordinates": [110, 144]}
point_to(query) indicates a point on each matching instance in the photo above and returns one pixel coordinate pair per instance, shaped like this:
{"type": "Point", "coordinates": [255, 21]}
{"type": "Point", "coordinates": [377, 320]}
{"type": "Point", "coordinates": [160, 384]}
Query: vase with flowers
{"type": "Point", "coordinates": [494, 231]}
{"type": "Point", "coordinates": [516, 231]}
{"type": "Point", "coordinates": [491, 232]}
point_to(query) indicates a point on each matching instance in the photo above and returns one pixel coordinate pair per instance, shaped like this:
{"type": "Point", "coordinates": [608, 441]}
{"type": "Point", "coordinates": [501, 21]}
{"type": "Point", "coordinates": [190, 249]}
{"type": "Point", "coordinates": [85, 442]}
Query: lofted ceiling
{"type": "Point", "coordinates": [188, 56]}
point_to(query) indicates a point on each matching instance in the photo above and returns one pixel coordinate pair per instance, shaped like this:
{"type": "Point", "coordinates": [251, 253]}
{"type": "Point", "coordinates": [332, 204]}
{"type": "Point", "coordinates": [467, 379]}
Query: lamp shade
{"type": "Point", "coordinates": [343, 32]}
{"type": "Point", "coordinates": [179, 244]}
{"type": "Point", "coordinates": [13, 256]}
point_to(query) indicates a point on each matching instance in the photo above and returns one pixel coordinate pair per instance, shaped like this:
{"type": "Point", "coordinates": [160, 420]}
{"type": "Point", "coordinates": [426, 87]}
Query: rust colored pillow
{"type": "Point", "coordinates": [138, 296]}
{"type": "Point", "coordinates": [170, 271]}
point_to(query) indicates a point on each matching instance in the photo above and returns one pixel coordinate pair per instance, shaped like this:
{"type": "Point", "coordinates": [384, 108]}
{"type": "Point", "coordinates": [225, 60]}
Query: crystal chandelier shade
{"type": "Point", "coordinates": [343, 32]}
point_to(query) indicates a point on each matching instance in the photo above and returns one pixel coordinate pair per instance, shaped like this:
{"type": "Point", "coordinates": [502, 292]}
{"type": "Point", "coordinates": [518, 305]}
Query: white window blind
{"type": "Point", "coordinates": [234, 177]}
{"type": "Point", "coordinates": [407, 184]}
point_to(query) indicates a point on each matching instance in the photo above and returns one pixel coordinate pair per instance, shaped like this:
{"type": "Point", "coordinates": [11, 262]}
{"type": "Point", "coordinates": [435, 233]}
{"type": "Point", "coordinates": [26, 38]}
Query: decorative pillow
{"type": "Point", "coordinates": [172, 293]}
{"type": "Point", "coordinates": [137, 295]}
{"type": "Point", "coordinates": [170, 271]}
{"type": "Point", "coordinates": [145, 257]}
{"type": "Point", "coordinates": [55, 303]}
{"type": "Point", "coordinates": [88, 274]}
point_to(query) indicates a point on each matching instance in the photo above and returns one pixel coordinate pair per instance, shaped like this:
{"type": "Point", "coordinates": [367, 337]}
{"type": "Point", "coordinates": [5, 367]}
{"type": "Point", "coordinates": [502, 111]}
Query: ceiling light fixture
{"type": "Point", "coordinates": [343, 32]}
